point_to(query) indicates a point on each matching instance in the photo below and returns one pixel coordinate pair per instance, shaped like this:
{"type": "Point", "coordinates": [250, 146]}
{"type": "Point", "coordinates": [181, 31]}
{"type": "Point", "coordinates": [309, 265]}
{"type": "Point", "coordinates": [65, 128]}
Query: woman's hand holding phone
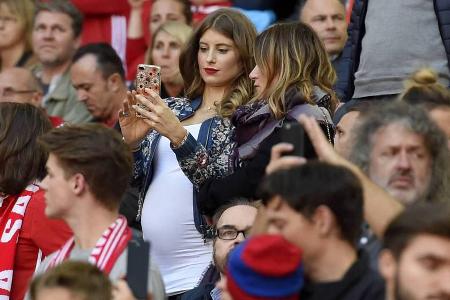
{"type": "Point", "coordinates": [158, 116]}
{"type": "Point", "coordinates": [134, 129]}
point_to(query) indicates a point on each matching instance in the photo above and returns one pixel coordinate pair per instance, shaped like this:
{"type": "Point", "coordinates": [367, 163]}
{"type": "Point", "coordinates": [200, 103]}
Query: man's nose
{"type": "Point", "coordinates": [240, 238]}
{"type": "Point", "coordinates": [330, 23]}
{"type": "Point", "coordinates": [82, 95]}
{"type": "Point", "coordinates": [403, 160]}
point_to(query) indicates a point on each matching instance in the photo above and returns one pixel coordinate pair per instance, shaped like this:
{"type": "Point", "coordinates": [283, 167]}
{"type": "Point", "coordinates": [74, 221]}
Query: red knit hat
{"type": "Point", "coordinates": [265, 267]}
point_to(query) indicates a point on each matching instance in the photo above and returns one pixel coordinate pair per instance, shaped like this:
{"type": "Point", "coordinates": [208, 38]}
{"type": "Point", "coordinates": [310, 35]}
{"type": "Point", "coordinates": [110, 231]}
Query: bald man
{"type": "Point", "coordinates": [19, 85]}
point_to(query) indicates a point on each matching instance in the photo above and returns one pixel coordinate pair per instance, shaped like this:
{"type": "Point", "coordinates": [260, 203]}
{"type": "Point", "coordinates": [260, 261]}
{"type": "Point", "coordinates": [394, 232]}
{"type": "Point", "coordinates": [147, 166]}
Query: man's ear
{"type": "Point", "coordinates": [275, 203]}
{"type": "Point", "coordinates": [77, 42]}
{"type": "Point", "coordinates": [387, 265]}
{"type": "Point", "coordinates": [79, 184]}
{"type": "Point", "coordinates": [114, 82]}
{"type": "Point", "coordinates": [324, 220]}
{"type": "Point", "coordinates": [36, 99]}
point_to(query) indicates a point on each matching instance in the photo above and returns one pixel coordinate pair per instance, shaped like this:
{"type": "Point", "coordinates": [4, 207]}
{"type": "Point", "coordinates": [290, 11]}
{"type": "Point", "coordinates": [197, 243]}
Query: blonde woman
{"type": "Point", "coordinates": [168, 42]}
{"type": "Point", "coordinates": [191, 136]}
{"type": "Point", "coordinates": [424, 89]}
{"type": "Point", "coordinates": [292, 76]}
{"type": "Point", "coordinates": [16, 22]}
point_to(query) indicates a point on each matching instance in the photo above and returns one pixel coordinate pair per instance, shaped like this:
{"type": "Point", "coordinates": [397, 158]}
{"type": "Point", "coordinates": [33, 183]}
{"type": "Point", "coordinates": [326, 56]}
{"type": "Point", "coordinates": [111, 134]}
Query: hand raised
{"type": "Point", "coordinates": [279, 162]}
{"type": "Point", "coordinates": [160, 117]}
{"type": "Point", "coordinates": [134, 129]}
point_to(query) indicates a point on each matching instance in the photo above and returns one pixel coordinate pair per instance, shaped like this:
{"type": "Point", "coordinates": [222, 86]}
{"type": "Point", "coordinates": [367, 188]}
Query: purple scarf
{"type": "Point", "coordinates": [250, 119]}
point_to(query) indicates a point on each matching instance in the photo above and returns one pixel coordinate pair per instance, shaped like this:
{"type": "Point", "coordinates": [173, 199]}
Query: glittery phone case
{"type": "Point", "coordinates": [148, 76]}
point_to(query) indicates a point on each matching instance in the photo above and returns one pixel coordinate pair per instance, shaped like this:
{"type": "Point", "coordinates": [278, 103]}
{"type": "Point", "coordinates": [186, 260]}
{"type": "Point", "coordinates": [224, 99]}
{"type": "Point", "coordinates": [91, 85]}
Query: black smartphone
{"type": "Point", "coordinates": [293, 133]}
{"type": "Point", "coordinates": [138, 263]}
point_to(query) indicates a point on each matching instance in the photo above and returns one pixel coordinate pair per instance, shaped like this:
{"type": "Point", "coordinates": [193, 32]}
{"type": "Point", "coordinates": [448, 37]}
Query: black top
{"type": "Point", "coordinates": [242, 183]}
{"type": "Point", "coordinates": [201, 292]}
{"type": "Point", "coordinates": [206, 285]}
{"type": "Point", "coordinates": [360, 282]}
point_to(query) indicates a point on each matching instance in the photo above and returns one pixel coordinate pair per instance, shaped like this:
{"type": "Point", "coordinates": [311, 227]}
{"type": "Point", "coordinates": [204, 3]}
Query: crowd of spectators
{"type": "Point", "coordinates": [296, 150]}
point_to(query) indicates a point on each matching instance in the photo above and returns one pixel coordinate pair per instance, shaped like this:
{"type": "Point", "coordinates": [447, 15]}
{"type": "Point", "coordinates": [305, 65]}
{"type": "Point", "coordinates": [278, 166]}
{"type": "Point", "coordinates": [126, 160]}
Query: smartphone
{"type": "Point", "coordinates": [138, 263]}
{"type": "Point", "coordinates": [148, 76]}
{"type": "Point", "coordinates": [293, 133]}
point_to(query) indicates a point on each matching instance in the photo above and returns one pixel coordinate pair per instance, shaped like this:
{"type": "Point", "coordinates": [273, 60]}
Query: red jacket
{"type": "Point", "coordinates": [38, 233]}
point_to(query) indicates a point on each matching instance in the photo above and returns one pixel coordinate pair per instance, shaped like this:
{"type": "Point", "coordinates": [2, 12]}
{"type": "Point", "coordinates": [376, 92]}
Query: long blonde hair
{"type": "Point", "coordinates": [237, 27]}
{"type": "Point", "coordinates": [180, 31]}
{"type": "Point", "coordinates": [291, 55]}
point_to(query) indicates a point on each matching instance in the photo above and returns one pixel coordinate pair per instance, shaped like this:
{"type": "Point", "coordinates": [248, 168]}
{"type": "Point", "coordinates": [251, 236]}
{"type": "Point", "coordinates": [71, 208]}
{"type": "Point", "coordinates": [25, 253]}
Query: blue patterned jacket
{"type": "Point", "coordinates": [200, 159]}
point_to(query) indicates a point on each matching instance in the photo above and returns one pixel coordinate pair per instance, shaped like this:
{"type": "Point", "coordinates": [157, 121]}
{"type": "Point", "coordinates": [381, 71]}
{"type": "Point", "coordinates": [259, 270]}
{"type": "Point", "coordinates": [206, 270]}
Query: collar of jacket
{"type": "Point", "coordinates": [188, 110]}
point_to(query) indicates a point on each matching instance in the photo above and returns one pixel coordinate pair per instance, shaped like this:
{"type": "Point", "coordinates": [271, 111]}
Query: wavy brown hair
{"type": "Point", "coordinates": [237, 27]}
{"type": "Point", "coordinates": [292, 55]}
{"type": "Point", "coordinates": [22, 161]}
{"type": "Point", "coordinates": [96, 152]}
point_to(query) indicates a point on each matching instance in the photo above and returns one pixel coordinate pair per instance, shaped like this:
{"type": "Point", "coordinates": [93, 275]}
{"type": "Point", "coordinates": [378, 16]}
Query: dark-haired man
{"type": "Point", "coordinates": [319, 208]}
{"type": "Point", "coordinates": [232, 224]}
{"type": "Point", "coordinates": [415, 261]}
{"type": "Point", "coordinates": [98, 76]}
{"type": "Point", "coordinates": [88, 171]}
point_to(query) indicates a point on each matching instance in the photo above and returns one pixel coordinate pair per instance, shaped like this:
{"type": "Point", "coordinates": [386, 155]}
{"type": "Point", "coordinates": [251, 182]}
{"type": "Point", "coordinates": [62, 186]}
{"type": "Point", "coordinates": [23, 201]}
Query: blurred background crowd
{"type": "Point", "coordinates": [290, 149]}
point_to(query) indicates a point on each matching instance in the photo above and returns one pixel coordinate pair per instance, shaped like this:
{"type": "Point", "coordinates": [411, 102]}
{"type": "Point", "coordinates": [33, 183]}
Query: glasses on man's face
{"type": "Point", "coordinates": [9, 92]}
{"type": "Point", "coordinates": [229, 233]}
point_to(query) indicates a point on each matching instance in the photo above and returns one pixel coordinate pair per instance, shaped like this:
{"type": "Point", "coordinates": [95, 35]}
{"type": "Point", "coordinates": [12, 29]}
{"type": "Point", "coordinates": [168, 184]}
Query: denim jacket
{"type": "Point", "coordinates": [202, 158]}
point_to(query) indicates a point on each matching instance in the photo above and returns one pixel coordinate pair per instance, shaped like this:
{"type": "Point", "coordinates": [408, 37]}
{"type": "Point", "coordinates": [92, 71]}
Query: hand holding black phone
{"type": "Point", "coordinates": [293, 133]}
{"type": "Point", "coordinates": [137, 267]}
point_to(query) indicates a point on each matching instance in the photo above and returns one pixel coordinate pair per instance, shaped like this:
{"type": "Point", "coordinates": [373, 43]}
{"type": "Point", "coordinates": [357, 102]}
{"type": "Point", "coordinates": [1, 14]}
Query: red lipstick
{"type": "Point", "coordinates": [210, 71]}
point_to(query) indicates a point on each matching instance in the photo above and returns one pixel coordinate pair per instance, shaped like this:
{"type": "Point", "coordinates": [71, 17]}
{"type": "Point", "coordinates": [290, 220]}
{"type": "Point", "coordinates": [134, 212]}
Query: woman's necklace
{"type": "Point", "coordinates": [210, 108]}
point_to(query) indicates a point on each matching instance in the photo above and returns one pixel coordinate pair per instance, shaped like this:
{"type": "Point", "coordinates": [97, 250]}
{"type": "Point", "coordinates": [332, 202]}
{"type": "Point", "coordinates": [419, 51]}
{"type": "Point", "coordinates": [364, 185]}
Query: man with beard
{"type": "Point", "coordinates": [415, 261]}
{"type": "Point", "coordinates": [404, 152]}
{"type": "Point", "coordinates": [232, 225]}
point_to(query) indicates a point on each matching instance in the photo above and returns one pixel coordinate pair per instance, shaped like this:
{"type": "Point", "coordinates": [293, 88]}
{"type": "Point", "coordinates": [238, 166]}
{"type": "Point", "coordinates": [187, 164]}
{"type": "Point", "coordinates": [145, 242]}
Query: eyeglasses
{"type": "Point", "coordinates": [8, 92]}
{"type": "Point", "coordinates": [230, 233]}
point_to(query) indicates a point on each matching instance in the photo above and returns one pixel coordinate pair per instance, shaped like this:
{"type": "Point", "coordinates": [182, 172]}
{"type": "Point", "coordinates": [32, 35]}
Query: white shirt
{"type": "Point", "coordinates": [168, 222]}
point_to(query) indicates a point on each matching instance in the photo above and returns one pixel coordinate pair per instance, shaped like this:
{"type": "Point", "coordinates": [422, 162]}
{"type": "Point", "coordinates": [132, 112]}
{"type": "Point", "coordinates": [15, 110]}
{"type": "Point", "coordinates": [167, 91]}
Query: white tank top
{"type": "Point", "coordinates": [168, 222]}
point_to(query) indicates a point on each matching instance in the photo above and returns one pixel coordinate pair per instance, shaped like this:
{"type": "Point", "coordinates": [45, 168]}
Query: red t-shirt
{"type": "Point", "coordinates": [38, 233]}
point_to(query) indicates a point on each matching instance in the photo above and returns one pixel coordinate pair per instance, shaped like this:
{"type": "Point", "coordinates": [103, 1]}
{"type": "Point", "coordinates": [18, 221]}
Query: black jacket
{"type": "Point", "coordinates": [348, 62]}
{"type": "Point", "coordinates": [246, 179]}
{"type": "Point", "coordinates": [202, 292]}
{"type": "Point", "coordinates": [359, 283]}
